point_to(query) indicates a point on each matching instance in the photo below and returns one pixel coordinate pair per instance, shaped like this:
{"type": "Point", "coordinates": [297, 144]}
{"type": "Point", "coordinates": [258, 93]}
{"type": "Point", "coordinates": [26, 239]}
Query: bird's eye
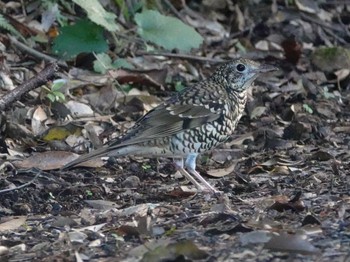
{"type": "Point", "coordinates": [240, 67]}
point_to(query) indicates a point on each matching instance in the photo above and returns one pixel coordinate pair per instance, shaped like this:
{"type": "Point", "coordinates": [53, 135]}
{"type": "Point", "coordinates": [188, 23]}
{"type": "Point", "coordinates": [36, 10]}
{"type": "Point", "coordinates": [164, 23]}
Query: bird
{"type": "Point", "coordinates": [193, 121]}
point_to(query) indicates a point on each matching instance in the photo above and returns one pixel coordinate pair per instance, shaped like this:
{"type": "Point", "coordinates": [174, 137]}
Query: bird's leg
{"type": "Point", "coordinates": [179, 165]}
{"type": "Point", "coordinates": [207, 186]}
{"type": "Point", "coordinates": [191, 167]}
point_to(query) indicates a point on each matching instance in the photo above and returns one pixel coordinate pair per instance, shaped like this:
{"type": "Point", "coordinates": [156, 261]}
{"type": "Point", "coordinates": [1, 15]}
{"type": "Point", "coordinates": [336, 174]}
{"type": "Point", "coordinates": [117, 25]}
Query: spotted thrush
{"type": "Point", "coordinates": [191, 122]}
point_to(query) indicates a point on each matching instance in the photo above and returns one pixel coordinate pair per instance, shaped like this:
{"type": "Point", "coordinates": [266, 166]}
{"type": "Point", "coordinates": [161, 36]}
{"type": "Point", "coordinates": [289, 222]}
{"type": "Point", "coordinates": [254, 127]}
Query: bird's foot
{"type": "Point", "coordinates": [211, 191]}
{"type": "Point", "coordinates": [207, 188]}
{"type": "Point", "coordinates": [203, 186]}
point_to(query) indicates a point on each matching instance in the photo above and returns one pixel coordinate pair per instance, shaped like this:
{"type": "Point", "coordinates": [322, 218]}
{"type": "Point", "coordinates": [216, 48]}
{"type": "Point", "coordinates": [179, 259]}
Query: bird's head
{"type": "Point", "coordinates": [239, 74]}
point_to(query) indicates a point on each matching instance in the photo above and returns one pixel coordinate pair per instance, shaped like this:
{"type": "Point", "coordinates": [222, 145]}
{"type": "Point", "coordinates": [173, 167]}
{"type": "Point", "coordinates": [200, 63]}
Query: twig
{"type": "Point", "coordinates": [173, 9]}
{"type": "Point", "coordinates": [321, 23]}
{"type": "Point", "coordinates": [21, 186]}
{"type": "Point", "coordinates": [34, 52]}
{"type": "Point", "coordinates": [34, 82]}
{"type": "Point", "coordinates": [340, 39]}
{"type": "Point", "coordinates": [343, 25]}
{"type": "Point", "coordinates": [183, 56]}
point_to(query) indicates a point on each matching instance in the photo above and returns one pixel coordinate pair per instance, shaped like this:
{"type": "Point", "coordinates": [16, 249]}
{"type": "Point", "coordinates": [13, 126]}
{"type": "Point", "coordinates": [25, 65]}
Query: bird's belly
{"type": "Point", "coordinates": [199, 140]}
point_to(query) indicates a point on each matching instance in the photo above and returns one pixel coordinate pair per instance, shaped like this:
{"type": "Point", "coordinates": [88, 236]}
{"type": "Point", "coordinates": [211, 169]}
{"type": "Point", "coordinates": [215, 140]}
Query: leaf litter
{"type": "Point", "coordinates": [284, 172]}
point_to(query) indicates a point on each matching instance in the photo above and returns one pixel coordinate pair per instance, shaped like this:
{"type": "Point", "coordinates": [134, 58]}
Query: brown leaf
{"type": "Point", "coordinates": [11, 223]}
{"type": "Point", "coordinates": [221, 172]}
{"type": "Point", "coordinates": [321, 156]}
{"type": "Point", "coordinates": [292, 50]}
{"type": "Point", "coordinates": [153, 77]}
{"type": "Point", "coordinates": [53, 160]}
{"type": "Point", "coordinates": [295, 204]}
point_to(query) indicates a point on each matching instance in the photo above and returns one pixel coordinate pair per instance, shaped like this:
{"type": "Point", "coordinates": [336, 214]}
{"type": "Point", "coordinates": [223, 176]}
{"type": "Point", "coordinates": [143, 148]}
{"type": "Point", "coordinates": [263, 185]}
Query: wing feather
{"type": "Point", "coordinates": [167, 121]}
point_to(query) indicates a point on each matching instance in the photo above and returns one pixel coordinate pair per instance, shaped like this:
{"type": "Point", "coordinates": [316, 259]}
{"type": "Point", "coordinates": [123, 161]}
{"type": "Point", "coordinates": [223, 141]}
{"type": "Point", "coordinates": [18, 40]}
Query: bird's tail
{"type": "Point", "coordinates": [106, 151]}
{"type": "Point", "coordinates": [118, 151]}
{"type": "Point", "coordinates": [101, 152]}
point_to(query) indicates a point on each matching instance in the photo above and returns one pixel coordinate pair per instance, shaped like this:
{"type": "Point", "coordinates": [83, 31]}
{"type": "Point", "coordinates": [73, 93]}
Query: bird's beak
{"type": "Point", "coordinates": [266, 68]}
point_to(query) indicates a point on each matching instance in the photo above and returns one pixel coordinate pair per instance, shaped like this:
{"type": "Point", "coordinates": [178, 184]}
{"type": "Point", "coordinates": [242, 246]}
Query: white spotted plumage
{"type": "Point", "coordinates": [191, 122]}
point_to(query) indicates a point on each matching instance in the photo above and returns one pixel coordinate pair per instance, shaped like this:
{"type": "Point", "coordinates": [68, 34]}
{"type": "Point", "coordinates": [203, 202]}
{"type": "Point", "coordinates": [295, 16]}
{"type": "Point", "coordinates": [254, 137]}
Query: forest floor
{"type": "Point", "coordinates": [284, 174]}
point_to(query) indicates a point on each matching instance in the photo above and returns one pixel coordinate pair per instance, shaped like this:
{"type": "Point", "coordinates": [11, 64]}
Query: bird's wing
{"type": "Point", "coordinates": [169, 119]}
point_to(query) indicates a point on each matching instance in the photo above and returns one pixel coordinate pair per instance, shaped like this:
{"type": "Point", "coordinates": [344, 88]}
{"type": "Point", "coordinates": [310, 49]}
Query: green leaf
{"type": "Point", "coordinates": [327, 94]}
{"type": "Point", "coordinates": [126, 88]}
{"type": "Point", "coordinates": [179, 86]}
{"type": "Point", "coordinates": [308, 108]}
{"type": "Point", "coordinates": [59, 96]}
{"type": "Point", "coordinates": [241, 47]}
{"type": "Point", "coordinates": [51, 97]}
{"type": "Point", "coordinates": [84, 36]}
{"type": "Point", "coordinates": [102, 63]}
{"type": "Point", "coordinates": [122, 63]}
{"type": "Point", "coordinates": [98, 14]}
{"type": "Point", "coordinates": [166, 31]}
{"type": "Point", "coordinates": [146, 166]}
{"type": "Point", "coordinates": [57, 84]}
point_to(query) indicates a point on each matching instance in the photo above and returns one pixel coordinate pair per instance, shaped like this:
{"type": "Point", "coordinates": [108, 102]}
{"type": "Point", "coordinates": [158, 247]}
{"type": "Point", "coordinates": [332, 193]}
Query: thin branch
{"type": "Point", "coordinates": [321, 23]}
{"type": "Point", "coordinates": [175, 12]}
{"type": "Point", "coordinates": [34, 52]}
{"type": "Point", "coordinates": [34, 82]}
{"type": "Point", "coordinates": [21, 186]}
{"type": "Point", "coordinates": [182, 56]}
